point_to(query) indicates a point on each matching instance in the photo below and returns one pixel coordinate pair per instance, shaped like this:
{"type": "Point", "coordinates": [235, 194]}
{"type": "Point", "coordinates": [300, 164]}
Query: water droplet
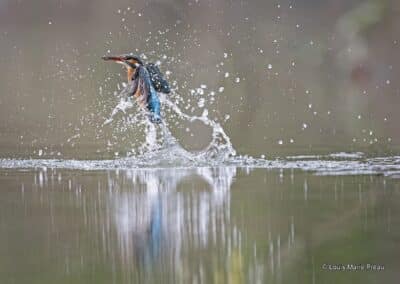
{"type": "Point", "coordinates": [201, 103]}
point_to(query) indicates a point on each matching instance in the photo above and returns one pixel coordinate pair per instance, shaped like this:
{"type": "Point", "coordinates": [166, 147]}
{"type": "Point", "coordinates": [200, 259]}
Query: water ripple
{"type": "Point", "coordinates": [323, 165]}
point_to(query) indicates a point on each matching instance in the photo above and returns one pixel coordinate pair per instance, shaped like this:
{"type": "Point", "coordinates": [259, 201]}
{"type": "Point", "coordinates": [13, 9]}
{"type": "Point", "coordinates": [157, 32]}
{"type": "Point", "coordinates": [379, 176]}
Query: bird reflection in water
{"type": "Point", "coordinates": [155, 220]}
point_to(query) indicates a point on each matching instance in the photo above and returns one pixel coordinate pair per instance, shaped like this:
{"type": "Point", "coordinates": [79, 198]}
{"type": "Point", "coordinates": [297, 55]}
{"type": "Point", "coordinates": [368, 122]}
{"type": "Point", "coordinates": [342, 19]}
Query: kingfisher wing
{"type": "Point", "coordinates": [157, 79]}
{"type": "Point", "coordinates": [143, 90]}
{"type": "Point", "coordinates": [147, 96]}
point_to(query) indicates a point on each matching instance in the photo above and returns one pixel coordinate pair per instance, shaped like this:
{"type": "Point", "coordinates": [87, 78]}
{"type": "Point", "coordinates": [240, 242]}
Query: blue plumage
{"type": "Point", "coordinates": [154, 106]}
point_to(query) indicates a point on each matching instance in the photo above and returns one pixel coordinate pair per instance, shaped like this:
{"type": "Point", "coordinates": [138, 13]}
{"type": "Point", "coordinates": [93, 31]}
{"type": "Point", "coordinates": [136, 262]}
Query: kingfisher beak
{"type": "Point", "coordinates": [113, 58]}
{"type": "Point", "coordinates": [119, 59]}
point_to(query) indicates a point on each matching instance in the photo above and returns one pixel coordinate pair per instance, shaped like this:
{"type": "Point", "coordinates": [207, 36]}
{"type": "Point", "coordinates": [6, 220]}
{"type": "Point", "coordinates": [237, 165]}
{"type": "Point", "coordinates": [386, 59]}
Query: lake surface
{"type": "Point", "coordinates": [197, 225]}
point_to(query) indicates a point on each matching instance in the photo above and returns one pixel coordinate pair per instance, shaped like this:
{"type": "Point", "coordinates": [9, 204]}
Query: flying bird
{"type": "Point", "coordinates": [144, 81]}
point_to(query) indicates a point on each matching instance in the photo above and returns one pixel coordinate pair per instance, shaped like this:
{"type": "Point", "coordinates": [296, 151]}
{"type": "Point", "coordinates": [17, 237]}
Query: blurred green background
{"type": "Point", "coordinates": [294, 77]}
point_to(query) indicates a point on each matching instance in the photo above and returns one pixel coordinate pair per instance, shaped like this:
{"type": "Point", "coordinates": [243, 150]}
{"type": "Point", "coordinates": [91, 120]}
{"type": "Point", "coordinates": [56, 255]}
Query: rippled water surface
{"type": "Point", "coordinates": [195, 225]}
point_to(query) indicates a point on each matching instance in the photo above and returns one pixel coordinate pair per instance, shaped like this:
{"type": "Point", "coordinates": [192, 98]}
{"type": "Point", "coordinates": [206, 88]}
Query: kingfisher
{"type": "Point", "coordinates": [144, 81]}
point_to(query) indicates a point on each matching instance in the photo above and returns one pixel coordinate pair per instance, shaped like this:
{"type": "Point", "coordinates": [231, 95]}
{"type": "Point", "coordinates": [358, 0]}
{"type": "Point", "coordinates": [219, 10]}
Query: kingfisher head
{"type": "Point", "coordinates": [130, 61]}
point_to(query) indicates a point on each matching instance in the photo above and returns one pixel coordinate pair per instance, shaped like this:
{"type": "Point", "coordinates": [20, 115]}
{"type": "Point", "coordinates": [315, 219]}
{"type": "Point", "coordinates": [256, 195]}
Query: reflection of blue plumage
{"type": "Point", "coordinates": [151, 249]}
{"type": "Point", "coordinates": [156, 228]}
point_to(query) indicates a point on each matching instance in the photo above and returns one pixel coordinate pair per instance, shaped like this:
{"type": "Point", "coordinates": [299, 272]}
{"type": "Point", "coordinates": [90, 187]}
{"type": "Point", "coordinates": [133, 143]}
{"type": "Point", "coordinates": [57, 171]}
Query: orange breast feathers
{"type": "Point", "coordinates": [130, 74]}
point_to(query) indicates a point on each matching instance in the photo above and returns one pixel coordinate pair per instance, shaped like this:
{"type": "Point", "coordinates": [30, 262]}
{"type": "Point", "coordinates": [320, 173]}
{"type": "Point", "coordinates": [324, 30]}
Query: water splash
{"type": "Point", "coordinates": [123, 105]}
{"type": "Point", "coordinates": [219, 149]}
{"type": "Point", "coordinates": [161, 149]}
